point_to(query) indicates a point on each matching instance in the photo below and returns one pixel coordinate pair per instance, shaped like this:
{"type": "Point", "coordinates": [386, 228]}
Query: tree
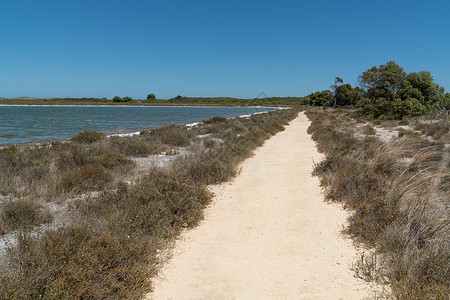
{"type": "Point", "coordinates": [127, 99]}
{"type": "Point", "coordinates": [383, 81]}
{"type": "Point", "coordinates": [421, 86]}
{"type": "Point", "coordinates": [335, 86]}
{"type": "Point", "coordinates": [345, 95]}
{"type": "Point", "coordinates": [151, 97]}
{"type": "Point", "coordinates": [323, 98]}
{"type": "Point", "coordinates": [391, 93]}
{"type": "Point", "coordinates": [117, 99]}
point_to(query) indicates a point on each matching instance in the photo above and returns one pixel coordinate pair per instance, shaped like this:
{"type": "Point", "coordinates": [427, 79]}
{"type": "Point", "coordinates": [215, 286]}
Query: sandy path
{"type": "Point", "coordinates": [267, 235]}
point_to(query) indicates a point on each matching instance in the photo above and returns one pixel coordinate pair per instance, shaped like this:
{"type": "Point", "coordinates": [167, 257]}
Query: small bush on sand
{"type": "Point", "coordinates": [173, 135]}
{"type": "Point", "coordinates": [88, 137]}
{"type": "Point", "coordinates": [114, 160]}
{"type": "Point", "coordinates": [23, 214]}
{"type": "Point", "coordinates": [134, 146]}
{"type": "Point", "coordinates": [88, 177]}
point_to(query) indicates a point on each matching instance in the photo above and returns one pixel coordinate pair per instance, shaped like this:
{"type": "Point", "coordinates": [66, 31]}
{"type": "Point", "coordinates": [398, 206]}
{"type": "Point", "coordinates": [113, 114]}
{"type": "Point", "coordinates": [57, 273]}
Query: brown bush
{"type": "Point", "coordinates": [114, 160]}
{"type": "Point", "coordinates": [88, 137]}
{"type": "Point", "coordinates": [23, 214]}
{"type": "Point", "coordinates": [86, 178]}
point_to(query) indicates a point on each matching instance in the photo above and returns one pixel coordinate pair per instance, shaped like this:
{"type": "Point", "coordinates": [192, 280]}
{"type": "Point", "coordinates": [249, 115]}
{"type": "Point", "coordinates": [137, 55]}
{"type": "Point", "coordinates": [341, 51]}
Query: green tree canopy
{"type": "Point", "coordinates": [383, 81]}
{"type": "Point", "coordinates": [345, 95]}
{"type": "Point", "coordinates": [392, 93]}
{"type": "Point", "coordinates": [151, 97]}
{"type": "Point", "coordinates": [323, 98]}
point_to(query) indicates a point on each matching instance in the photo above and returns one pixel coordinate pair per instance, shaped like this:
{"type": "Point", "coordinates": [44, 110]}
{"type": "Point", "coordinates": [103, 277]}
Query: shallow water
{"type": "Point", "coordinates": [23, 124]}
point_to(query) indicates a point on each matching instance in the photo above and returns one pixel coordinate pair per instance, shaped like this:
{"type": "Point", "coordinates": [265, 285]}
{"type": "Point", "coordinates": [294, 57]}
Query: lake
{"type": "Point", "coordinates": [23, 124]}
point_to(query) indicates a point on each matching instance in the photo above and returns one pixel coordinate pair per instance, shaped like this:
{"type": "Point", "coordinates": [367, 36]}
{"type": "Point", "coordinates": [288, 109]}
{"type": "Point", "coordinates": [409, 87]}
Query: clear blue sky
{"type": "Point", "coordinates": [103, 48]}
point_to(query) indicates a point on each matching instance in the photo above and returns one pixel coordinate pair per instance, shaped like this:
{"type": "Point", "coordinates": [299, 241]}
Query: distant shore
{"type": "Point", "coordinates": [178, 101]}
{"type": "Point", "coordinates": [109, 105]}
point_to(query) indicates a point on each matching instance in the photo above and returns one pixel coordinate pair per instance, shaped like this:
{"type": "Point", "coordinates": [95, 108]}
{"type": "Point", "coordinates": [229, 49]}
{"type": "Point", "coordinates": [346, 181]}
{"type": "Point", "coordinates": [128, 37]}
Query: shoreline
{"type": "Point", "coordinates": [125, 134]}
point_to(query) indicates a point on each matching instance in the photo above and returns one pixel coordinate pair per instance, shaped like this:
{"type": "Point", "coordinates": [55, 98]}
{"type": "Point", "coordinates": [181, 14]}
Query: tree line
{"type": "Point", "coordinates": [387, 92]}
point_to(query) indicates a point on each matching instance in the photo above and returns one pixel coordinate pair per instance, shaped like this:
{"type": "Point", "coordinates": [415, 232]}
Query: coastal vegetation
{"type": "Point", "coordinates": [394, 178]}
{"type": "Point", "coordinates": [88, 220]}
{"type": "Point", "coordinates": [85, 221]}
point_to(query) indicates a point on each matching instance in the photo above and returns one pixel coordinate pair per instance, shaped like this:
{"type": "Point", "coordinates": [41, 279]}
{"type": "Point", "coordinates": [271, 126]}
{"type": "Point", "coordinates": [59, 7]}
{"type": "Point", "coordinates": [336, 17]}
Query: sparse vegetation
{"type": "Point", "coordinates": [108, 248]}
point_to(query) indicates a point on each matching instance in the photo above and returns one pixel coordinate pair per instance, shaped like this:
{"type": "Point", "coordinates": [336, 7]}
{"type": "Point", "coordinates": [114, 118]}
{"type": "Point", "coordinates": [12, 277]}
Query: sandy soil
{"type": "Point", "coordinates": [267, 235]}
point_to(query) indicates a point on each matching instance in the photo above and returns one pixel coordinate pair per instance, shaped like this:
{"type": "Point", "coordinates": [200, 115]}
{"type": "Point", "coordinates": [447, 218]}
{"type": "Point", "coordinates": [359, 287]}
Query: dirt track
{"type": "Point", "coordinates": [267, 235]}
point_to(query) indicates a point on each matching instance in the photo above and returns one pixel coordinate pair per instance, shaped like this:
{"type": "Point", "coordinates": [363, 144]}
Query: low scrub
{"type": "Point", "coordinates": [88, 137]}
{"type": "Point", "coordinates": [23, 214]}
{"type": "Point", "coordinates": [399, 206]}
{"type": "Point", "coordinates": [87, 177]}
{"type": "Point", "coordinates": [173, 135]}
{"type": "Point", "coordinates": [77, 262]}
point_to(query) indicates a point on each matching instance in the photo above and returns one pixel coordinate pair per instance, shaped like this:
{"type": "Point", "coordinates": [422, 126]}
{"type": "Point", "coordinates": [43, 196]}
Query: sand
{"type": "Point", "coordinates": [267, 235]}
